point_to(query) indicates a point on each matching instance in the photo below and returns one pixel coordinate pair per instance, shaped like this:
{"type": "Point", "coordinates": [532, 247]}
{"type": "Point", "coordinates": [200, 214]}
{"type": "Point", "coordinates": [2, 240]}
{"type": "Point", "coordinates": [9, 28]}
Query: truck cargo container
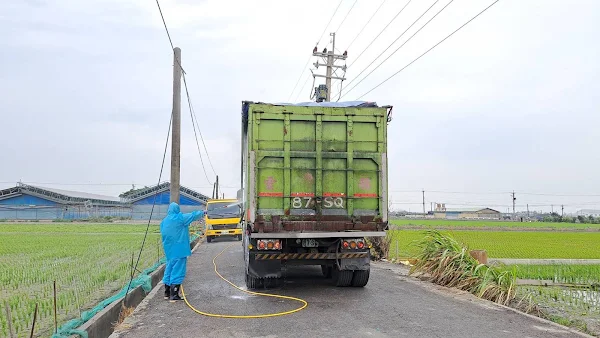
{"type": "Point", "coordinates": [314, 186]}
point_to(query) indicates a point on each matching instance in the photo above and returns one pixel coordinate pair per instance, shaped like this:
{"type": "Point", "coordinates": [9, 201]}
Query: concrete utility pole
{"type": "Point", "coordinates": [562, 211]}
{"type": "Point", "coordinates": [330, 57]}
{"type": "Point", "coordinates": [217, 188]}
{"type": "Point", "coordinates": [424, 212]}
{"type": "Point", "coordinates": [513, 200]}
{"type": "Point", "coordinates": [330, 68]}
{"type": "Point", "coordinates": [527, 210]}
{"type": "Point", "coordinates": [176, 126]}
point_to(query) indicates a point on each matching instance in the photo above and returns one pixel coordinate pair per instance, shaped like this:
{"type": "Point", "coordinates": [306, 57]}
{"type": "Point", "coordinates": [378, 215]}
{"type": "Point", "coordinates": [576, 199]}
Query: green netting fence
{"type": "Point", "coordinates": [70, 328]}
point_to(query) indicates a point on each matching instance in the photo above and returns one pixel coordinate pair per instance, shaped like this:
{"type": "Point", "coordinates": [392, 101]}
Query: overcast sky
{"type": "Point", "coordinates": [508, 103]}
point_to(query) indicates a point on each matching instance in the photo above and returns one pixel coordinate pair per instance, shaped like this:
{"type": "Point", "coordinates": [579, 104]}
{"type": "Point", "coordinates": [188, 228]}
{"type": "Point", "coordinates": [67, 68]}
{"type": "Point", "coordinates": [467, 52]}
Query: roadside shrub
{"type": "Point", "coordinates": [380, 247]}
{"type": "Point", "coordinates": [448, 263]}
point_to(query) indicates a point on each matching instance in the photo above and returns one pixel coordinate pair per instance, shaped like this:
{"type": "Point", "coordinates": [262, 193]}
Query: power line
{"type": "Point", "coordinates": [302, 88]}
{"type": "Point", "coordinates": [165, 24]}
{"type": "Point", "coordinates": [383, 30]}
{"type": "Point", "coordinates": [310, 57]}
{"type": "Point", "coordinates": [195, 119]}
{"type": "Point", "coordinates": [365, 26]}
{"type": "Point", "coordinates": [344, 20]}
{"type": "Point", "coordinates": [332, 16]}
{"type": "Point", "coordinates": [151, 210]}
{"type": "Point", "coordinates": [192, 112]}
{"type": "Point", "coordinates": [430, 49]}
{"type": "Point", "coordinates": [402, 45]}
{"type": "Point", "coordinates": [196, 136]}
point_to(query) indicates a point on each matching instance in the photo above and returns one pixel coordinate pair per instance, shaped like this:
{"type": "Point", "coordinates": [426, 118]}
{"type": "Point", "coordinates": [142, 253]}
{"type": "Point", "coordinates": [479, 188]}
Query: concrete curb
{"type": "Point", "coordinates": [102, 324]}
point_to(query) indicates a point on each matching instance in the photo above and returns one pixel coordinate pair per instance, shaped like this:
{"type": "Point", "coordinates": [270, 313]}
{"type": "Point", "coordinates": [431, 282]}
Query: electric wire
{"type": "Point", "coordinates": [397, 49]}
{"type": "Point", "coordinates": [195, 119]}
{"type": "Point", "coordinates": [363, 28]}
{"type": "Point", "coordinates": [345, 17]}
{"type": "Point", "coordinates": [328, 23]}
{"type": "Point", "coordinates": [165, 24]}
{"type": "Point", "coordinates": [378, 35]}
{"type": "Point", "coordinates": [427, 51]}
{"type": "Point", "coordinates": [302, 88]}
{"type": "Point", "coordinates": [195, 135]}
{"type": "Point", "coordinates": [267, 315]}
{"type": "Point", "coordinates": [310, 57]}
{"type": "Point", "coordinates": [152, 209]}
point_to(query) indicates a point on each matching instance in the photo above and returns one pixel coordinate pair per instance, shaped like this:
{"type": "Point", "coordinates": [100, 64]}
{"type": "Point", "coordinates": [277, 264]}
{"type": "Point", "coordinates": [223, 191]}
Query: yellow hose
{"type": "Point", "coordinates": [267, 315]}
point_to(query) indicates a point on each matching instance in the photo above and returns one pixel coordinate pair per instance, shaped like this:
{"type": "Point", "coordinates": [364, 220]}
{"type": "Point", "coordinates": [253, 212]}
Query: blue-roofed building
{"type": "Point", "coordinates": [141, 202]}
{"type": "Point", "coordinates": [27, 202]}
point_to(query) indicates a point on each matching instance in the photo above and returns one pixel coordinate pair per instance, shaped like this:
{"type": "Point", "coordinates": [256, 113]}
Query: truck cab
{"type": "Point", "coordinates": [222, 218]}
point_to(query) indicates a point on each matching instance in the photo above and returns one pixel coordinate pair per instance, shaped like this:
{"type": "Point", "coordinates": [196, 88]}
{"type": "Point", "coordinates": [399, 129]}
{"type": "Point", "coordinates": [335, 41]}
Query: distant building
{"type": "Point", "coordinates": [141, 202]}
{"type": "Point", "coordinates": [588, 212]}
{"type": "Point", "coordinates": [485, 213]}
{"type": "Point", "coordinates": [27, 202]}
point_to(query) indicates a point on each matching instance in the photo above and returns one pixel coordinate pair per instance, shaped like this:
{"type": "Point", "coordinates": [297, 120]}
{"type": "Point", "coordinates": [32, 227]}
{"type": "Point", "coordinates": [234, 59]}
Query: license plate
{"type": "Point", "coordinates": [310, 243]}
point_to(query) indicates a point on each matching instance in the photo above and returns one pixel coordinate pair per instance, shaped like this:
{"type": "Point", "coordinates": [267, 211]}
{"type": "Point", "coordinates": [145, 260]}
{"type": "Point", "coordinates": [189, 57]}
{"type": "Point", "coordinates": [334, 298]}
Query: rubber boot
{"type": "Point", "coordinates": [167, 291]}
{"type": "Point", "coordinates": [175, 293]}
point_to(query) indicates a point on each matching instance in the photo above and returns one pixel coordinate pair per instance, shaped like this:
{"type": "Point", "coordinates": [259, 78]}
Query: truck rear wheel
{"type": "Point", "coordinates": [273, 282]}
{"type": "Point", "coordinates": [360, 278]}
{"type": "Point", "coordinates": [208, 239]}
{"type": "Point", "coordinates": [253, 283]}
{"type": "Point", "coordinates": [326, 270]}
{"type": "Point", "coordinates": [342, 277]}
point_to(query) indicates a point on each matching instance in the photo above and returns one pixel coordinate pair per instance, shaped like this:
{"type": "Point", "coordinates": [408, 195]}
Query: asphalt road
{"type": "Point", "coordinates": [391, 305]}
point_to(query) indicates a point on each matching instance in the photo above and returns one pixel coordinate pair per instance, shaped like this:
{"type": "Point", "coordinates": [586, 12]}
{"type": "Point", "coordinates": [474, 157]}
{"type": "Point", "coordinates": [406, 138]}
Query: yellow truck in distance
{"type": "Point", "coordinates": [222, 218]}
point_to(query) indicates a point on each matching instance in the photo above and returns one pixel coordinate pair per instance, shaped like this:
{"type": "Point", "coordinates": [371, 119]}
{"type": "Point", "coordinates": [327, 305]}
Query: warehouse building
{"type": "Point", "coordinates": [441, 212]}
{"type": "Point", "coordinates": [141, 202]}
{"type": "Point", "coordinates": [28, 202]}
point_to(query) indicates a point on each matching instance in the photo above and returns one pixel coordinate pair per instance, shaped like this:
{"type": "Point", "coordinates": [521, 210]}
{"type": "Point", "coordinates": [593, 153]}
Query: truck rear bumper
{"type": "Point", "coordinates": [333, 234]}
{"type": "Point", "coordinates": [268, 265]}
{"type": "Point", "coordinates": [308, 256]}
{"type": "Point", "coordinates": [226, 232]}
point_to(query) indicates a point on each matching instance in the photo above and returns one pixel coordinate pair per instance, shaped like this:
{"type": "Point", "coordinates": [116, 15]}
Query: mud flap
{"type": "Point", "coordinates": [355, 263]}
{"type": "Point", "coordinates": [264, 268]}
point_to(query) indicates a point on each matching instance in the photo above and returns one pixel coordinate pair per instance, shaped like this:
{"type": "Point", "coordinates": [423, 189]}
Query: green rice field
{"type": "Point", "coordinates": [491, 224]}
{"type": "Point", "coordinates": [510, 244]}
{"type": "Point", "coordinates": [89, 262]}
{"type": "Point", "coordinates": [586, 275]}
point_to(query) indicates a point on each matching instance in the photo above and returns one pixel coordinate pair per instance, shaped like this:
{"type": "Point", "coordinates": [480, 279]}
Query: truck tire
{"type": "Point", "coordinates": [208, 239]}
{"type": "Point", "coordinates": [326, 270]}
{"type": "Point", "coordinates": [360, 278]}
{"type": "Point", "coordinates": [271, 283]}
{"type": "Point", "coordinates": [253, 283]}
{"type": "Point", "coordinates": [342, 277]}
{"type": "Point", "coordinates": [239, 237]}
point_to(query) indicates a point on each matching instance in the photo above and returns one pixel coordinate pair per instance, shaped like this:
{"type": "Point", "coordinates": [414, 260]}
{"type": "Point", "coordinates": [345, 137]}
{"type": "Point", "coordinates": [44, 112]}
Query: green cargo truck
{"type": "Point", "coordinates": [314, 186]}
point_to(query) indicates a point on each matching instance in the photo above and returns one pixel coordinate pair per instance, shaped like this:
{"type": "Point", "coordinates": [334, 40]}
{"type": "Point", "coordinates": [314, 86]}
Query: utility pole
{"type": "Point", "coordinates": [527, 210]}
{"type": "Point", "coordinates": [217, 188]}
{"type": "Point", "coordinates": [330, 68]}
{"type": "Point", "coordinates": [423, 191]}
{"type": "Point", "coordinates": [513, 202]}
{"type": "Point", "coordinates": [552, 206]}
{"type": "Point", "coordinates": [176, 126]}
{"type": "Point", "coordinates": [562, 211]}
{"type": "Point", "coordinates": [323, 93]}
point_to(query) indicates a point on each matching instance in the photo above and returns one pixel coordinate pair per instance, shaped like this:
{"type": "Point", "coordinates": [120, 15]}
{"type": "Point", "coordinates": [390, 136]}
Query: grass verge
{"type": "Point", "coordinates": [448, 263]}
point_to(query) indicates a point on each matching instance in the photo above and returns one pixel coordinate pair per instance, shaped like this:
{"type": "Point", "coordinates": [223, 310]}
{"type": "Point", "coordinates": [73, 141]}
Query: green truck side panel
{"type": "Point", "coordinates": [305, 153]}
